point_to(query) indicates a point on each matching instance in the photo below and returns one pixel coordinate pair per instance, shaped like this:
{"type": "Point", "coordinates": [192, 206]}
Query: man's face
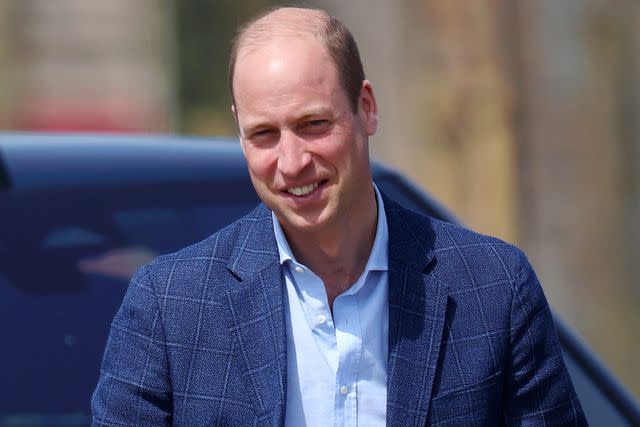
{"type": "Point", "coordinates": [306, 150]}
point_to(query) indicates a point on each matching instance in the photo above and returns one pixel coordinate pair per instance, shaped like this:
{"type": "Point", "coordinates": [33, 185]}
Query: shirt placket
{"type": "Point", "coordinates": [338, 337]}
{"type": "Point", "coordinates": [317, 312]}
{"type": "Point", "coordinates": [349, 343]}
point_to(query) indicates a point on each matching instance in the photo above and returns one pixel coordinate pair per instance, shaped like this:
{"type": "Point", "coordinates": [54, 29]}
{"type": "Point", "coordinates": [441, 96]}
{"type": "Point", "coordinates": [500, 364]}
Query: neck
{"type": "Point", "coordinates": [338, 254]}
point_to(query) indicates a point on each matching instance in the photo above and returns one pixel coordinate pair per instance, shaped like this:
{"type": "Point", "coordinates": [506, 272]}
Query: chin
{"type": "Point", "coordinates": [303, 223]}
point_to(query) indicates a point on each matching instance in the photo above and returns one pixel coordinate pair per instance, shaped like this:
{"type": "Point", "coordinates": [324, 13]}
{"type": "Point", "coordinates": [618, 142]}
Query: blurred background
{"type": "Point", "coordinates": [522, 117]}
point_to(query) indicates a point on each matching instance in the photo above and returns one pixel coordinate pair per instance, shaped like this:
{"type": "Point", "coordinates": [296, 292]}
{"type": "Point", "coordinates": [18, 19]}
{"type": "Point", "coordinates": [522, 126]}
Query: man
{"type": "Point", "coordinates": [329, 304]}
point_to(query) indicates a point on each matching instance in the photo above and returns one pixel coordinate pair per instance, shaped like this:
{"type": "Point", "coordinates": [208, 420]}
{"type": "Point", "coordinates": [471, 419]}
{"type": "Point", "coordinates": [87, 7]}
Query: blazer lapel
{"type": "Point", "coordinates": [417, 308]}
{"type": "Point", "coordinates": [257, 307]}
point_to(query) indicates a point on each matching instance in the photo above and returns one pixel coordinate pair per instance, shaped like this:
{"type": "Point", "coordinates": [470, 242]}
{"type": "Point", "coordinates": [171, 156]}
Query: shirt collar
{"type": "Point", "coordinates": [378, 258]}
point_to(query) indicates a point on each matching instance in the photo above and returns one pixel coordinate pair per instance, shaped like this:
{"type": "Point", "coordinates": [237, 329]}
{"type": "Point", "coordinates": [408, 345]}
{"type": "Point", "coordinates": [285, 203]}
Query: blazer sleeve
{"type": "Point", "coordinates": [134, 386]}
{"type": "Point", "coordinates": [538, 387]}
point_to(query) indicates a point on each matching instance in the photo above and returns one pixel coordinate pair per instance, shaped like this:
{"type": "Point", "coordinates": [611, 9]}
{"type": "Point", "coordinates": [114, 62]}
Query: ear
{"type": "Point", "coordinates": [368, 108]}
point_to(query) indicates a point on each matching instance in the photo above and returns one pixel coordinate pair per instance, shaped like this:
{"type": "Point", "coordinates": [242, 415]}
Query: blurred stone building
{"type": "Point", "coordinates": [89, 65]}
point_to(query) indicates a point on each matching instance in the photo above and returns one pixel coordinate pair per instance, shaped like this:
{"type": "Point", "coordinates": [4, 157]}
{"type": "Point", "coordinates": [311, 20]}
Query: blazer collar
{"type": "Point", "coordinates": [255, 244]}
{"type": "Point", "coordinates": [417, 309]}
{"type": "Point", "coordinates": [411, 237]}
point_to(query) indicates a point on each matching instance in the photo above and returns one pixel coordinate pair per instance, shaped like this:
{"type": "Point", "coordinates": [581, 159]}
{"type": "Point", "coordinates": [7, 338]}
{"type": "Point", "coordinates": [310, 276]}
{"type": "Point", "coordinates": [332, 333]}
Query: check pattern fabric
{"type": "Point", "coordinates": [200, 337]}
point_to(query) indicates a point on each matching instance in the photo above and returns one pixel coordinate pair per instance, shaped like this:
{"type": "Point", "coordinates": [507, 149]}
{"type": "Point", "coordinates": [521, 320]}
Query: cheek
{"type": "Point", "coordinates": [260, 162]}
{"type": "Point", "coordinates": [341, 153]}
{"type": "Point", "coordinates": [338, 147]}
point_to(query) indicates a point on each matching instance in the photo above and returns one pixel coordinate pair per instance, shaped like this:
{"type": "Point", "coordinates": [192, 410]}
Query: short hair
{"type": "Point", "coordinates": [332, 33]}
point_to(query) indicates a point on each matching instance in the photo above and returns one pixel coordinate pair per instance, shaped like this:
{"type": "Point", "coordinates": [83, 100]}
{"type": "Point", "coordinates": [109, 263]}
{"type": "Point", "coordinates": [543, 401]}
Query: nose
{"type": "Point", "coordinates": [293, 156]}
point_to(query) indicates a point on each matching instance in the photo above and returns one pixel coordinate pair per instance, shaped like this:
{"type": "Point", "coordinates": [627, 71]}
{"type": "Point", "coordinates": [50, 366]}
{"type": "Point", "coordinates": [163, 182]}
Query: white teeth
{"type": "Point", "coordinates": [304, 190]}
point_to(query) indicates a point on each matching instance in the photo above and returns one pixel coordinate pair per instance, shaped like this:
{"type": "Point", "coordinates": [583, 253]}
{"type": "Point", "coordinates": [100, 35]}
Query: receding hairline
{"type": "Point", "coordinates": [283, 22]}
{"type": "Point", "coordinates": [314, 24]}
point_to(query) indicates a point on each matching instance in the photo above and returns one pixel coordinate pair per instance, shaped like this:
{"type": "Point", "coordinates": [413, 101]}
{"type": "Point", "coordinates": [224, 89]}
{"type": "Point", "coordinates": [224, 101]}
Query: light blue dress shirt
{"type": "Point", "coordinates": [337, 365]}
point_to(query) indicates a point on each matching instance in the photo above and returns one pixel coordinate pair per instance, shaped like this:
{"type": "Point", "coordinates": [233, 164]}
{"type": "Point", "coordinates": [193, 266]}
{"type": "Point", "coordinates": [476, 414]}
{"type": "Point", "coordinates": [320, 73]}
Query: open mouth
{"type": "Point", "coordinates": [305, 190]}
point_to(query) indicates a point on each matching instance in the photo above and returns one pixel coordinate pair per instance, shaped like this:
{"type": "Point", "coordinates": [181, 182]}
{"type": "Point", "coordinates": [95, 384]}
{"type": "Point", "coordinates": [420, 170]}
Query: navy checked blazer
{"type": "Point", "coordinates": [200, 338]}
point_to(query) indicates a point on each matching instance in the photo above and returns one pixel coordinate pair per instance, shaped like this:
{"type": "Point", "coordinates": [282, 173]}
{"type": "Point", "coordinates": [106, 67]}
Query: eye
{"type": "Point", "coordinates": [317, 126]}
{"type": "Point", "coordinates": [261, 134]}
{"type": "Point", "coordinates": [317, 123]}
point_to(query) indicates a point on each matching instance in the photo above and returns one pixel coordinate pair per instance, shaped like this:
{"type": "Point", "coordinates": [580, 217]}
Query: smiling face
{"type": "Point", "coordinates": [306, 149]}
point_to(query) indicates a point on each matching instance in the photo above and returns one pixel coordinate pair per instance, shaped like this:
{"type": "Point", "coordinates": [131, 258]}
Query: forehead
{"type": "Point", "coordinates": [280, 65]}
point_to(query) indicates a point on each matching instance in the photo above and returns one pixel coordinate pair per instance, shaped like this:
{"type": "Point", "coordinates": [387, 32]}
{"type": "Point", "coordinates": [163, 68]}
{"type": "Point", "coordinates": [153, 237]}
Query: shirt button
{"type": "Point", "coordinates": [320, 318]}
{"type": "Point", "coordinates": [344, 390]}
{"type": "Point", "coordinates": [299, 269]}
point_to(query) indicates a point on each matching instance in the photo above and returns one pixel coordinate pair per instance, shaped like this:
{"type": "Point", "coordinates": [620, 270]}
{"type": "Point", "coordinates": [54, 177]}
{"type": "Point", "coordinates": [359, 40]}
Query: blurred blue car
{"type": "Point", "coordinates": [78, 215]}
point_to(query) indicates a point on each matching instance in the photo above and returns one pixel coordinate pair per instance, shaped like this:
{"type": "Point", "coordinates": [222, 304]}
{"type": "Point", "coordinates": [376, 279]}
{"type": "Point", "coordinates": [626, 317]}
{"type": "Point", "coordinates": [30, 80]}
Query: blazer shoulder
{"type": "Point", "coordinates": [207, 258]}
{"type": "Point", "coordinates": [460, 249]}
{"type": "Point", "coordinates": [444, 234]}
{"type": "Point", "coordinates": [448, 234]}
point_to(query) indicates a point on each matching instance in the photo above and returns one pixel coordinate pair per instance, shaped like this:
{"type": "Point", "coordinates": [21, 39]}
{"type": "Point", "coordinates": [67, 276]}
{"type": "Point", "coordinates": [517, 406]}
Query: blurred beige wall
{"type": "Point", "coordinates": [92, 64]}
{"type": "Point", "coordinates": [579, 183]}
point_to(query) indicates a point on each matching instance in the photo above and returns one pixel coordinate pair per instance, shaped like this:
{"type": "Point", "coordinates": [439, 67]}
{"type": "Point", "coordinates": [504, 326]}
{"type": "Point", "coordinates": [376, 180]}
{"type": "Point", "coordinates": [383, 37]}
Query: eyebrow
{"type": "Point", "coordinates": [320, 111]}
{"type": "Point", "coordinates": [252, 127]}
